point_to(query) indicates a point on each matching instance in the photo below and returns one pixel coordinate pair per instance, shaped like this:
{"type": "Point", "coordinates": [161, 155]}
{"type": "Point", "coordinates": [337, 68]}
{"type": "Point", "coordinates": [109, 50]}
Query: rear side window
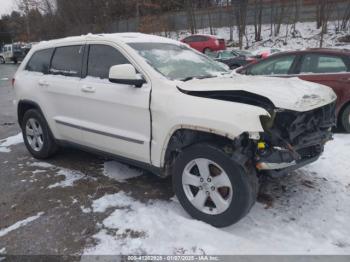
{"type": "Point", "coordinates": [196, 38]}
{"type": "Point", "coordinates": [189, 39]}
{"type": "Point", "coordinates": [67, 61]}
{"type": "Point", "coordinates": [273, 66]}
{"type": "Point", "coordinates": [316, 63]}
{"type": "Point", "coordinates": [40, 61]}
{"type": "Point", "coordinates": [102, 58]}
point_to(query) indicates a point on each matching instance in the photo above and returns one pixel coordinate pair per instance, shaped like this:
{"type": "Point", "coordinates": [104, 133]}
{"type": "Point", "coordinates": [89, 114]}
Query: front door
{"type": "Point", "coordinates": [115, 118]}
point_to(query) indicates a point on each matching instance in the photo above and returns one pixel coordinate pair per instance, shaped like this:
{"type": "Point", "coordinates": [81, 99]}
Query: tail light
{"type": "Point", "coordinates": [13, 82]}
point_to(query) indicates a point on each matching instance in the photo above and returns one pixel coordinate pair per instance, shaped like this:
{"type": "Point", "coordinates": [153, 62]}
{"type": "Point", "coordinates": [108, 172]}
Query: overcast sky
{"type": "Point", "coordinates": [6, 6]}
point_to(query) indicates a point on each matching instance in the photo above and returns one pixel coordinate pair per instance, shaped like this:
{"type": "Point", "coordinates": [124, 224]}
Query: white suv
{"type": "Point", "coordinates": [160, 105]}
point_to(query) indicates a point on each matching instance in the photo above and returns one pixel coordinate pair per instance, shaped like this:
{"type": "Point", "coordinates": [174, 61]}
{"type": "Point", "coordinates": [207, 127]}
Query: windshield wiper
{"type": "Point", "coordinates": [196, 77]}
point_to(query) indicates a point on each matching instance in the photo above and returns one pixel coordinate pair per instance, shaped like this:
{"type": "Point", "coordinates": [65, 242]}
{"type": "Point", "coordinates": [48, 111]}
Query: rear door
{"type": "Point", "coordinates": [114, 118]}
{"type": "Point", "coordinates": [61, 91]}
{"type": "Point", "coordinates": [198, 42]}
{"type": "Point", "coordinates": [329, 70]}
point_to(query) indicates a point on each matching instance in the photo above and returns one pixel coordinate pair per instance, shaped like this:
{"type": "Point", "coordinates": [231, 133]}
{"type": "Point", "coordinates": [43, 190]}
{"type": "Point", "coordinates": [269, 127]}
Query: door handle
{"type": "Point", "coordinates": [88, 89]}
{"type": "Point", "coordinates": [43, 83]}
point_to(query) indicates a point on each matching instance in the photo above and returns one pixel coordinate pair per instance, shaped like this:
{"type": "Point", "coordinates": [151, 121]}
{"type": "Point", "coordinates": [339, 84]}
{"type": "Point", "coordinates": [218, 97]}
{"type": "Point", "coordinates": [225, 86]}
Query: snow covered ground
{"type": "Point", "coordinates": [307, 36]}
{"type": "Point", "coordinates": [305, 213]}
{"type": "Point", "coordinates": [309, 215]}
{"type": "Point", "coordinates": [19, 224]}
{"type": "Point", "coordinates": [5, 144]}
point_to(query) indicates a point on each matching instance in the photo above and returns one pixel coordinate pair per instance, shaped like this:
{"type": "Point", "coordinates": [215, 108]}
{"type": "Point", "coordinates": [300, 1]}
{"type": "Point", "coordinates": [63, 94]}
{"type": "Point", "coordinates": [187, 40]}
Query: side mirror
{"type": "Point", "coordinates": [125, 74]}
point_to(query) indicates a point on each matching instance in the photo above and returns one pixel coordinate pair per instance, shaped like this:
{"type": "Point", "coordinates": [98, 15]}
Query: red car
{"type": "Point", "coordinates": [329, 67]}
{"type": "Point", "coordinates": [205, 43]}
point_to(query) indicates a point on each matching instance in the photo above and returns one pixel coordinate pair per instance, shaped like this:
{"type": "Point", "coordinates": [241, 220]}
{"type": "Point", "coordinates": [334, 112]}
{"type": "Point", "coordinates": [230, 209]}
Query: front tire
{"type": "Point", "coordinates": [2, 60]}
{"type": "Point", "coordinates": [212, 187]}
{"type": "Point", "coordinates": [345, 119]}
{"type": "Point", "coordinates": [37, 135]}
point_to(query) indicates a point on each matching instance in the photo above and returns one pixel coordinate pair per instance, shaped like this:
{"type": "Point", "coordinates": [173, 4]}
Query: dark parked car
{"type": "Point", "coordinates": [329, 67]}
{"type": "Point", "coordinates": [234, 58]}
{"type": "Point", "coordinates": [205, 43]}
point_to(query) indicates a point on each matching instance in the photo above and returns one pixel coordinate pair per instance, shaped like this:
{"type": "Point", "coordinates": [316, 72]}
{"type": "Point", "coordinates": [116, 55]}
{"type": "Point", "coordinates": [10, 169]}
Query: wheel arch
{"type": "Point", "coordinates": [341, 111]}
{"type": "Point", "coordinates": [25, 105]}
{"type": "Point", "coordinates": [342, 108]}
{"type": "Point", "coordinates": [185, 136]}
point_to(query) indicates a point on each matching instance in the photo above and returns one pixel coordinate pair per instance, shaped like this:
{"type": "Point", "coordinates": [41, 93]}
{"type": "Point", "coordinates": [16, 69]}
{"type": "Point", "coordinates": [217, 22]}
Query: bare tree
{"type": "Point", "coordinates": [258, 10]}
{"type": "Point", "coordinates": [279, 15]}
{"type": "Point", "coordinates": [297, 6]}
{"type": "Point", "coordinates": [25, 6]}
{"type": "Point", "coordinates": [241, 8]}
{"type": "Point", "coordinates": [229, 7]}
{"type": "Point", "coordinates": [346, 18]}
{"type": "Point", "coordinates": [325, 9]}
{"type": "Point", "coordinates": [191, 16]}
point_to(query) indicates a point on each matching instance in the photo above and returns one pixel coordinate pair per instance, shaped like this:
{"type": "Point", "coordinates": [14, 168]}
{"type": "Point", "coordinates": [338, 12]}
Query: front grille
{"type": "Point", "coordinates": [306, 128]}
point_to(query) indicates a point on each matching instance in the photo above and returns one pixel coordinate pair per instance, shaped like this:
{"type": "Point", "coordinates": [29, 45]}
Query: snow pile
{"type": "Point", "coordinates": [120, 172]}
{"type": "Point", "coordinates": [10, 141]}
{"type": "Point", "coordinates": [309, 215]}
{"type": "Point", "coordinates": [19, 224]}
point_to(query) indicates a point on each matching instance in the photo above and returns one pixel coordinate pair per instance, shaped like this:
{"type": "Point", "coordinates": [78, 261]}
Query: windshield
{"type": "Point", "coordinates": [178, 62]}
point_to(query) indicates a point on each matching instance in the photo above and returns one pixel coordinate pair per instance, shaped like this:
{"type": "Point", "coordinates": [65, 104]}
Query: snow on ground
{"type": "Point", "coordinates": [70, 176]}
{"type": "Point", "coordinates": [306, 36]}
{"type": "Point", "coordinates": [2, 250]}
{"type": "Point", "coordinates": [309, 215]}
{"type": "Point", "coordinates": [42, 165]}
{"type": "Point", "coordinates": [19, 224]}
{"type": "Point", "coordinates": [6, 143]}
{"type": "Point", "coordinates": [85, 210]}
{"type": "Point", "coordinates": [120, 172]}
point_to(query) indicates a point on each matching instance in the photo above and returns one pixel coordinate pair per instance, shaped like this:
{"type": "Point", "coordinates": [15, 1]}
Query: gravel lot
{"type": "Point", "coordinates": [78, 203]}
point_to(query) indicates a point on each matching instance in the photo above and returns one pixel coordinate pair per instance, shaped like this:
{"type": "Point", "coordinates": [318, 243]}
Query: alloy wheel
{"type": "Point", "coordinates": [207, 186]}
{"type": "Point", "coordinates": [34, 134]}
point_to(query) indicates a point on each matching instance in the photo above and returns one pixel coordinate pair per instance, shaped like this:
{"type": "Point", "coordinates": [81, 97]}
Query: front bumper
{"type": "Point", "coordinates": [286, 170]}
{"type": "Point", "coordinates": [295, 139]}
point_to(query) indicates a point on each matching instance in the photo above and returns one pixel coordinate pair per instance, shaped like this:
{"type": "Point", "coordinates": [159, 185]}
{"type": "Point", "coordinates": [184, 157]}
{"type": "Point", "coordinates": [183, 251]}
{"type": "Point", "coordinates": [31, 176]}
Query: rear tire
{"type": "Point", "coordinates": [228, 191]}
{"type": "Point", "coordinates": [345, 119]}
{"type": "Point", "coordinates": [37, 135]}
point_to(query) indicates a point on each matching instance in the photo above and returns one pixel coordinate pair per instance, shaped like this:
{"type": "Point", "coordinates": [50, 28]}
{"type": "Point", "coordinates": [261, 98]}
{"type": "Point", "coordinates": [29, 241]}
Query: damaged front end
{"type": "Point", "coordinates": [292, 139]}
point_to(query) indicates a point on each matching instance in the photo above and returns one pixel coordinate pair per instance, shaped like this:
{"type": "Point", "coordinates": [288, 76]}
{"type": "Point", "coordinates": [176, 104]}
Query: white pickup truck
{"type": "Point", "coordinates": [11, 53]}
{"type": "Point", "coordinates": [160, 105]}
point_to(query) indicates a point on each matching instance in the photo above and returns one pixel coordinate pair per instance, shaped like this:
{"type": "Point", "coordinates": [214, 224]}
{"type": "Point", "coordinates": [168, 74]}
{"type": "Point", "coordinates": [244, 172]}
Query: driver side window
{"type": "Point", "coordinates": [102, 58]}
{"type": "Point", "coordinates": [273, 66]}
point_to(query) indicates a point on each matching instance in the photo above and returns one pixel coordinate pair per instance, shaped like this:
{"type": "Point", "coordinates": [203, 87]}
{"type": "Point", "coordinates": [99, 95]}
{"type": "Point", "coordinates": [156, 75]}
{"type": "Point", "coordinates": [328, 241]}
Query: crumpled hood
{"type": "Point", "coordinates": [287, 93]}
